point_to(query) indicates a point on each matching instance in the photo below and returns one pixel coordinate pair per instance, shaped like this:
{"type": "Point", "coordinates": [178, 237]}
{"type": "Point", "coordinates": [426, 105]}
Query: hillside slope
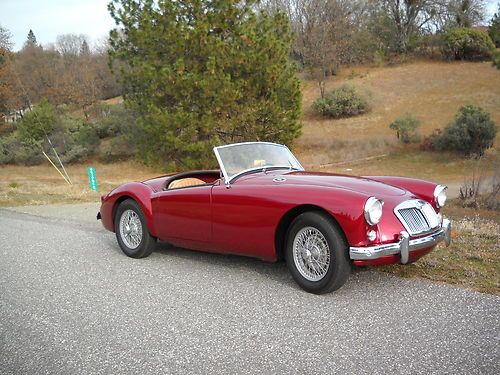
{"type": "Point", "coordinates": [433, 91]}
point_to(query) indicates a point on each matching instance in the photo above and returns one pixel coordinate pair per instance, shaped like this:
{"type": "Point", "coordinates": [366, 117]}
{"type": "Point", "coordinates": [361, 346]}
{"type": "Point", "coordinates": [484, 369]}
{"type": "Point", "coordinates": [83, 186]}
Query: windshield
{"type": "Point", "coordinates": [240, 158]}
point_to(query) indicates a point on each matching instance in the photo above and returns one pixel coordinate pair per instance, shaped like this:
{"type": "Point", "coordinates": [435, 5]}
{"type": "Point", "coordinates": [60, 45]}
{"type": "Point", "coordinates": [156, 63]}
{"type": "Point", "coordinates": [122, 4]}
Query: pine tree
{"type": "Point", "coordinates": [203, 73]}
{"type": "Point", "coordinates": [494, 29]}
{"type": "Point", "coordinates": [31, 40]}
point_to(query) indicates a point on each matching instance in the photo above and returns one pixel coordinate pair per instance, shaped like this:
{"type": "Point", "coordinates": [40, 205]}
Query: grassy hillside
{"type": "Point", "coordinates": [432, 91]}
{"type": "Point", "coordinates": [360, 145]}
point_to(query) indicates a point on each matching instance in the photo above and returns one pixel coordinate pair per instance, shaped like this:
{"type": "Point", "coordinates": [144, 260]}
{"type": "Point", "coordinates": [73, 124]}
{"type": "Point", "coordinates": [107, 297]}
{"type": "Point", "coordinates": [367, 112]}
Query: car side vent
{"type": "Point", "coordinates": [417, 216]}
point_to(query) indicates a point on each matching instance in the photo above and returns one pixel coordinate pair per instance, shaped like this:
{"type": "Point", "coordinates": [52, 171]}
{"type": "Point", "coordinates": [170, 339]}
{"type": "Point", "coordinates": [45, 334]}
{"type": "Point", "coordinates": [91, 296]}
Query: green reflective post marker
{"type": "Point", "coordinates": [92, 178]}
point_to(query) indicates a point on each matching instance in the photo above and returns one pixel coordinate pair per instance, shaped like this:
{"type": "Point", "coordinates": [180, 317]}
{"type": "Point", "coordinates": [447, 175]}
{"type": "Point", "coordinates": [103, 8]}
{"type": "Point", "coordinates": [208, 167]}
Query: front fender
{"type": "Point", "coordinates": [343, 205]}
{"type": "Point", "coordinates": [139, 192]}
{"type": "Point", "coordinates": [420, 188]}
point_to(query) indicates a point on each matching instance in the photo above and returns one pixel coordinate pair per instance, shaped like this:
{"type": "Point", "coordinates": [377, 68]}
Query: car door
{"type": "Point", "coordinates": [183, 216]}
{"type": "Point", "coordinates": [245, 219]}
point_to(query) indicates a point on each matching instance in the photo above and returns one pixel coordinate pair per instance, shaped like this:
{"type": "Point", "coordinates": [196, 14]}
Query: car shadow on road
{"type": "Point", "coordinates": [275, 272]}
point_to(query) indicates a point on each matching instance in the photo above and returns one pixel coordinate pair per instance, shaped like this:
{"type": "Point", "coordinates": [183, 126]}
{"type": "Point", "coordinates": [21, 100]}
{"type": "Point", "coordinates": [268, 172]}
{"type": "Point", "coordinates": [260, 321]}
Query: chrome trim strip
{"type": "Point", "coordinates": [228, 180]}
{"type": "Point", "coordinates": [404, 247]}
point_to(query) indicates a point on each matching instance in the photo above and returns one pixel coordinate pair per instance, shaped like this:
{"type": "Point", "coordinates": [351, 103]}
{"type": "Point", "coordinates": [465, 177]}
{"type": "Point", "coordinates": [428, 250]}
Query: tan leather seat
{"type": "Point", "coordinates": [185, 182]}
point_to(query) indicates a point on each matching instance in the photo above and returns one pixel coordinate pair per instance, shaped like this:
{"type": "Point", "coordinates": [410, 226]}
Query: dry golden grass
{"type": "Point", "coordinates": [43, 185]}
{"type": "Point", "coordinates": [113, 101]}
{"type": "Point", "coordinates": [433, 91]}
{"type": "Point", "coordinates": [472, 260]}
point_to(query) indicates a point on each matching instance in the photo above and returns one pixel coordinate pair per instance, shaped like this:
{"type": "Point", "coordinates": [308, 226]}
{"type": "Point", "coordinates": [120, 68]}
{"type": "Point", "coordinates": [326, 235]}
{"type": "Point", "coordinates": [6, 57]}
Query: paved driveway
{"type": "Point", "coordinates": [71, 303]}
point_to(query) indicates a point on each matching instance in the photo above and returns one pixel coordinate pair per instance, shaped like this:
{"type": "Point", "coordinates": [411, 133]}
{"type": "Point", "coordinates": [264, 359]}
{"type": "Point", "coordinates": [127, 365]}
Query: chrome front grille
{"type": "Point", "coordinates": [415, 220]}
{"type": "Point", "coordinates": [417, 216]}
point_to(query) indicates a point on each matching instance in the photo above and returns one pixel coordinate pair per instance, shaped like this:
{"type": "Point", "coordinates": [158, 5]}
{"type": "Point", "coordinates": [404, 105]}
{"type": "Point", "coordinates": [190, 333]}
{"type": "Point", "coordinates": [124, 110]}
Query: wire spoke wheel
{"type": "Point", "coordinates": [311, 253]}
{"type": "Point", "coordinates": [130, 229]}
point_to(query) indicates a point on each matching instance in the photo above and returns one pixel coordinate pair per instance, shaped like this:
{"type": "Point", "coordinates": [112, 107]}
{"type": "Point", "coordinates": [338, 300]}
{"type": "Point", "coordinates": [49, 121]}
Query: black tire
{"type": "Point", "coordinates": [336, 273]}
{"type": "Point", "coordinates": [147, 242]}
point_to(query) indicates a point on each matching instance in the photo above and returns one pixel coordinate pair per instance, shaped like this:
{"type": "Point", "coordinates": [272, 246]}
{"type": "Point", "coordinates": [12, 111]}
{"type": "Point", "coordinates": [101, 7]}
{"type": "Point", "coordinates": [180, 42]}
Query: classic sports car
{"type": "Point", "coordinates": [261, 203]}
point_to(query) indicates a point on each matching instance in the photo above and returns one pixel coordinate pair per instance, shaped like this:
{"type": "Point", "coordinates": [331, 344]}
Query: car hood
{"type": "Point", "coordinates": [361, 185]}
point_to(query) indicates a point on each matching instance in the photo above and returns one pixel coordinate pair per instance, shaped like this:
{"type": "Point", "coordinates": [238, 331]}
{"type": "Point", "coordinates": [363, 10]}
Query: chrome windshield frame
{"type": "Point", "coordinates": [228, 180]}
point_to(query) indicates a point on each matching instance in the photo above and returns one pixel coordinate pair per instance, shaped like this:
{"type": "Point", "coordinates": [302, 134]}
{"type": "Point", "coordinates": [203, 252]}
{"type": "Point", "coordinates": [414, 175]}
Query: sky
{"type": "Point", "coordinates": [49, 18]}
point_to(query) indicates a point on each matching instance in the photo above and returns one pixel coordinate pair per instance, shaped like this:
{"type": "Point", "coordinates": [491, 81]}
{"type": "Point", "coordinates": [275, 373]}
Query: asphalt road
{"type": "Point", "coordinates": [72, 303]}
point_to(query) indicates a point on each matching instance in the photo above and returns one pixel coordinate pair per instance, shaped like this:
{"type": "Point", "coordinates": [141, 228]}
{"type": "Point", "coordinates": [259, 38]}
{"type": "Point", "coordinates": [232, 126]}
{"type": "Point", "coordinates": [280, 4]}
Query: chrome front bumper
{"type": "Point", "coordinates": [404, 247]}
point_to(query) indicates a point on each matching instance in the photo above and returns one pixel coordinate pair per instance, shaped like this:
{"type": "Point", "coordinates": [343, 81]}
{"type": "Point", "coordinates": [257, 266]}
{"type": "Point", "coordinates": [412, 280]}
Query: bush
{"type": "Point", "coordinates": [117, 120]}
{"type": "Point", "coordinates": [74, 139]}
{"type": "Point", "coordinates": [8, 148]}
{"type": "Point", "coordinates": [15, 151]}
{"type": "Point", "coordinates": [86, 137]}
{"type": "Point", "coordinates": [116, 149]}
{"type": "Point", "coordinates": [345, 101]}
{"type": "Point", "coordinates": [496, 59]}
{"type": "Point", "coordinates": [29, 153]}
{"type": "Point", "coordinates": [467, 44]}
{"type": "Point", "coordinates": [407, 128]}
{"type": "Point", "coordinates": [37, 123]}
{"type": "Point", "coordinates": [379, 58]}
{"type": "Point", "coordinates": [75, 154]}
{"type": "Point", "coordinates": [429, 141]}
{"type": "Point", "coordinates": [472, 132]}
{"type": "Point", "coordinates": [429, 46]}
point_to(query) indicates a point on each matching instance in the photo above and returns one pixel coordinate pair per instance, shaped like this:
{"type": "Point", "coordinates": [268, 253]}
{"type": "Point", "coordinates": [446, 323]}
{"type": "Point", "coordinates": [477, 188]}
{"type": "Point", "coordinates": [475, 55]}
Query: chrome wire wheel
{"type": "Point", "coordinates": [130, 229]}
{"type": "Point", "coordinates": [311, 254]}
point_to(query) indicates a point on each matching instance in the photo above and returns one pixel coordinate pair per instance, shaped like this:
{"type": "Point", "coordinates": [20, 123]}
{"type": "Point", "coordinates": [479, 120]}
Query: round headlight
{"type": "Point", "coordinates": [373, 210]}
{"type": "Point", "coordinates": [440, 195]}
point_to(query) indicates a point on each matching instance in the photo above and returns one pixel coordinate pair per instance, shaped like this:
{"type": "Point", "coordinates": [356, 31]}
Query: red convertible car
{"type": "Point", "coordinates": [261, 203]}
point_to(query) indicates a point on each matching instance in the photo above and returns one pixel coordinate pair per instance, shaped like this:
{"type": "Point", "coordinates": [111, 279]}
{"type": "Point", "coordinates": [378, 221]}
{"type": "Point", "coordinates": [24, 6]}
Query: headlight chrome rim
{"type": "Point", "coordinates": [371, 203]}
{"type": "Point", "coordinates": [440, 196]}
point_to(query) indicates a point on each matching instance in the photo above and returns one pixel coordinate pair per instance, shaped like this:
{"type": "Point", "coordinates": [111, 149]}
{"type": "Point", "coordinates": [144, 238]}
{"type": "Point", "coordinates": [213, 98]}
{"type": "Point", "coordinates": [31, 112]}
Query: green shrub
{"type": "Point", "coordinates": [37, 123]}
{"type": "Point", "coordinates": [75, 154]}
{"type": "Point", "coordinates": [345, 101]}
{"type": "Point", "coordinates": [86, 137]}
{"type": "Point", "coordinates": [116, 149]}
{"type": "Point", "coordinates": [379, 58]}
{"type": "Point", "coordinates": [472, 132]}
{"type": "Point", "coordinates": [429, 46]}
{"type": "Point", "coordinates": [406, 128]}
{"type": "Point", "coordinates": [69, 123]}
{"type": "Point", "coordinates": [496, 59]}
{"type": "Point", "coordinates": [8, 148]}
{"type": "Point", "coordinates": [74, 139]}
{"type": "Point", "coordinates": [467, 44]}
{"type": "Point", "coordinates": [116, 120]}
{"type": "Point", "coordinates": [29, 153]}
